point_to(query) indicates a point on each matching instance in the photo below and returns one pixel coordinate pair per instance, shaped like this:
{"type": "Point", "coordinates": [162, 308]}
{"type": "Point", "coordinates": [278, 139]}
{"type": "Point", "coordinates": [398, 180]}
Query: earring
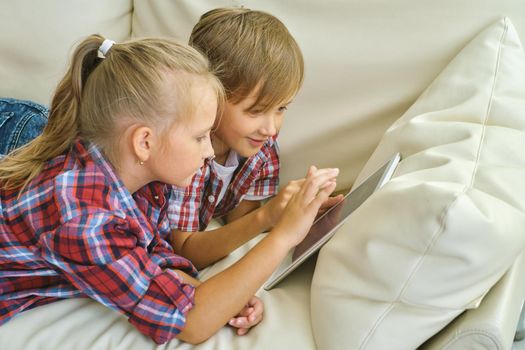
{"type": "Point", "coordinates": [141, 162]}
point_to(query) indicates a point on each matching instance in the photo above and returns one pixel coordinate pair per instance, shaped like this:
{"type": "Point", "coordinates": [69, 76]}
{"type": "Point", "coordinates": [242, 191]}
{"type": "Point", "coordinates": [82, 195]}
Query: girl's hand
{"type": "Point", "coordinates": [304, 205]}
{"type": "Point", "coordinates": [330, 202]}
{"type": "Point", "coordinates": [275, 206]}
{"type": "Point", "coordinates": [249, 316]}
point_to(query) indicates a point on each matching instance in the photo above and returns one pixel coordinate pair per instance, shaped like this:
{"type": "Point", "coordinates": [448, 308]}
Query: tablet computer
{"type": "Point", "coordinates": [326, 225]}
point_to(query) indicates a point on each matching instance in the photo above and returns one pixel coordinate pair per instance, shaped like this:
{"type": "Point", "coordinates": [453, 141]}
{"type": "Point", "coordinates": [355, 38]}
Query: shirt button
{"type": "Point", "coordinates": [211, 199]}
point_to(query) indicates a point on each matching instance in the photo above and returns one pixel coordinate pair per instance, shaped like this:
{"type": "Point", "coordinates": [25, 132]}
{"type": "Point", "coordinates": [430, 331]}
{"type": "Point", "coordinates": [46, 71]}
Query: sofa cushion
{"type": "Point", "coordinates": [433, 240]}
{"type": "Point", "coordinates": [84, 324]}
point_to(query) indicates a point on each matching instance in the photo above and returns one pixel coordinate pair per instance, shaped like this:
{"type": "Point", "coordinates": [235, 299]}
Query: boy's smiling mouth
{"type": "Point", "coordinates": [256, 142]}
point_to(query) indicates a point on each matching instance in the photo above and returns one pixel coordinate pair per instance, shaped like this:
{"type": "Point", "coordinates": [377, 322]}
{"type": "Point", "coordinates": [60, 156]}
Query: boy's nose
{"type": "Point", "coordinates": [270, 125]}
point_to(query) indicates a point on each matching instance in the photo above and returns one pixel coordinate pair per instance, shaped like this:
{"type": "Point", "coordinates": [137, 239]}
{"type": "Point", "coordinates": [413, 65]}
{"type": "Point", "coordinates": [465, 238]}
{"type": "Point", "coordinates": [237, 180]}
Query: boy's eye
{"type": "Point", "coordinates": [202, 138]}
{"type": "Point", "coordinates": [255, 113]}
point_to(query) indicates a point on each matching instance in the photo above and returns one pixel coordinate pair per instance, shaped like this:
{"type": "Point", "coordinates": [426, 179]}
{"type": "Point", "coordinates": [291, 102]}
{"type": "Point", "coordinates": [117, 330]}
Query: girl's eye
{"type": "Point", "coordinates": [201, 139]}
{"type": "Point", "coordinates": [282, 109]}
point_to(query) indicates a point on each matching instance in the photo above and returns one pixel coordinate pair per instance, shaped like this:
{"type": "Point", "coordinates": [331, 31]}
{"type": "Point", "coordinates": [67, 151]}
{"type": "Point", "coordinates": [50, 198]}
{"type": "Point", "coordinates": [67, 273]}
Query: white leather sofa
{"type": "Point", "coordinates": [433, 260]}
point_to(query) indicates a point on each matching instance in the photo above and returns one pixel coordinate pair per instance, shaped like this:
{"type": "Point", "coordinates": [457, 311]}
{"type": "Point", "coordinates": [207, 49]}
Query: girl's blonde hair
{"type": "Point", "coordinates": [98, 95]}
{"type": "Point", "coordinates": [250, 51]}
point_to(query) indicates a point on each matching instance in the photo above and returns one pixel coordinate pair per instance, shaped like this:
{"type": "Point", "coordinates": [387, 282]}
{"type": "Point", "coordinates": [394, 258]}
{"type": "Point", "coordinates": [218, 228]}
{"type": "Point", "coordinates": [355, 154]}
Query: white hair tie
{"type": "Point", "coordinates": [105, 46]}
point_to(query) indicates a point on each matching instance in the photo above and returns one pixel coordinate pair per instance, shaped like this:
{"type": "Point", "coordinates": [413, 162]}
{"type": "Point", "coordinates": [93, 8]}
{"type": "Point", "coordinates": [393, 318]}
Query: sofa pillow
{"type": "Point", "coordinates": [433, 240]}
{"type": "Point", "coordinates": [20, 122]}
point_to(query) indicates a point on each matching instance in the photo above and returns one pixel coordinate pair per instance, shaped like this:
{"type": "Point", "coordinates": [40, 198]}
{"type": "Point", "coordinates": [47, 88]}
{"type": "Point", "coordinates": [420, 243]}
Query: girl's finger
{"type": "Point", "coordinates": [258, 308]}
{"type": "Point", "coordinates": [313, 185]}
{"type": "Point", "coordinates": [257, 317]}
{"type": "Point", "coordinates": [326, 184]}
{"type": "Point", "coordinates": [242, 331]}
{"type": "Point", "coordinates": [257, 314]}
{"type": "Point", "coordinates": [320, 172]}
{"type": "Point", "coordinates": [314, 177]}
{"type": "Point", "coordinates": [239, 322]}
{"type": "Point", "coordinates": [322, 176]}
{"type": "Point", "coordinates": [323, 195]}
{"type": "Point", "coordinates": [297, 183]}
{"type": "Point", "coordinates": [246, 311]}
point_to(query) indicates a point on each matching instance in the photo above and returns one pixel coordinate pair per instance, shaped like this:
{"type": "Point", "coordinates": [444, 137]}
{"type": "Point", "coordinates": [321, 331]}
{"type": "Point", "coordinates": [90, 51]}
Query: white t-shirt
{"type": "Point", "coordinates": [225, 173]}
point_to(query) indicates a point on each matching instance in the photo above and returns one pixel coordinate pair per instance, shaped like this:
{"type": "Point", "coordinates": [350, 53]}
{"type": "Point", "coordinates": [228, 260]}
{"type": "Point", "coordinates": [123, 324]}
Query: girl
{"type": "Point", "coordinates": [83, 206]}
{"type": "Point", "coordinates": [261, 67]}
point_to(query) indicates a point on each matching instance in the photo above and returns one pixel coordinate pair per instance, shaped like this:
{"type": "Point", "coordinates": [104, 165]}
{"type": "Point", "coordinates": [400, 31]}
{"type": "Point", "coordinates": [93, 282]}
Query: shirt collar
{"type": "Point", "coordinates": [264, 152]}
{"type": "Point", "coordinates": [87, 152]}
{"type": "Point", "coordinates": [232, 161]}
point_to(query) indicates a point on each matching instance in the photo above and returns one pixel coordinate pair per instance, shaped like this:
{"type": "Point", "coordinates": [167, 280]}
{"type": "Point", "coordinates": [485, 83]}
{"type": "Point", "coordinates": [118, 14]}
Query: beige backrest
{"type": "Point", "coordinates": [366, 61]}
{"type": "Point", "coordinates": [36, 40]}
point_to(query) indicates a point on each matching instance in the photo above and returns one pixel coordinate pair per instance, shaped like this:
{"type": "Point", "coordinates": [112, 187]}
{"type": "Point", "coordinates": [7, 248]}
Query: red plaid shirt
{"type": "Point", "coordinates": [77, 232]}
{"type": "Point", "coordinates": [193, 207]}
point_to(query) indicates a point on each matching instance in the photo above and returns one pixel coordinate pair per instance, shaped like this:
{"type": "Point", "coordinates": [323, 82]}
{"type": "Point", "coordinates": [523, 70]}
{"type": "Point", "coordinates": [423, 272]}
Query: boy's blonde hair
{"type": "Point", "coordinates": [250, 51]}
{"type": "Point", "coordinates": [98, 96]}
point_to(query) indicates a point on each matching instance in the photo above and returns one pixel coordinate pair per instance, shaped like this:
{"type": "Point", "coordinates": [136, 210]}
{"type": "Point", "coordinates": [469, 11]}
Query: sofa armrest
{"type": "Point", "coordinates": [493, 323]}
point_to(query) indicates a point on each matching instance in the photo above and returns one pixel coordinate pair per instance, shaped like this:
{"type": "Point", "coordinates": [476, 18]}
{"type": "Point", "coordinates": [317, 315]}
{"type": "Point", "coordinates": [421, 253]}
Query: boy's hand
{"type": "Point", "coordinates": [249, 316]}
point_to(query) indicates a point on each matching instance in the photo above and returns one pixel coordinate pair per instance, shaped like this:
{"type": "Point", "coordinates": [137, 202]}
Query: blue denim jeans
{"type": "Point", "coordinates": [20, 122]}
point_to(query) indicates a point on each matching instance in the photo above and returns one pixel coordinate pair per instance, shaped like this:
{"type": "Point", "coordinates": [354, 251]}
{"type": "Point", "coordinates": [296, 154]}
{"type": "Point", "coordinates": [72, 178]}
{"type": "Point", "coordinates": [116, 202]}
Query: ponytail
{"type": "Point", "coordinates": [19, 167]}
{"type": "Point", "coordinates": [97, 96]}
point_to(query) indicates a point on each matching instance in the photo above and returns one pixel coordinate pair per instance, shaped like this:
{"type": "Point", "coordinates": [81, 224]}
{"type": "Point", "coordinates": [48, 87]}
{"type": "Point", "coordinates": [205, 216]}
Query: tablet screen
{"type": "Point", "coordinates": [326, 225]}
{"type": "Point", "coordinates": [334, 215]}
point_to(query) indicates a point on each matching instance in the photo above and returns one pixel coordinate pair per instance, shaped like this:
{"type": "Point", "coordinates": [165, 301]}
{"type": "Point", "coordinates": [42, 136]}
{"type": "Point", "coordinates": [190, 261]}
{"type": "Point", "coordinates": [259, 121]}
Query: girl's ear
{"type": "Point", "coordinates": [143, 140]}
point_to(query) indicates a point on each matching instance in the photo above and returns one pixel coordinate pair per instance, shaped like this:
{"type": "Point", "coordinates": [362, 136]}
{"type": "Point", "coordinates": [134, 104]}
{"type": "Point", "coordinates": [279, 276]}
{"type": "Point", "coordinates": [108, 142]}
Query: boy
{"type": "Point", "coordinates": [261, 67]}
